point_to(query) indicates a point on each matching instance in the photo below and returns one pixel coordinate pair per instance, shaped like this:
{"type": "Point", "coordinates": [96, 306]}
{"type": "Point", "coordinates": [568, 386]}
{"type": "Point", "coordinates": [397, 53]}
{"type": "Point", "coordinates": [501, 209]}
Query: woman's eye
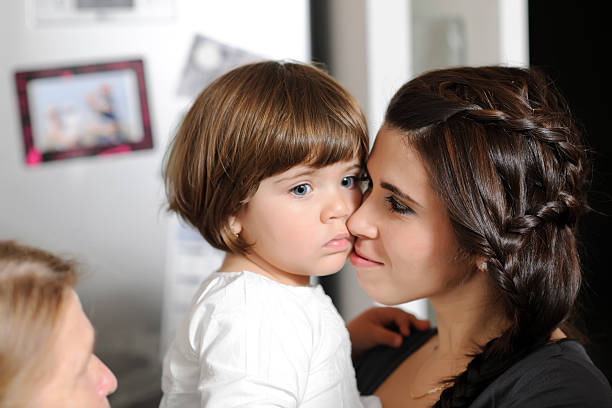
{"type": "Point", "coordinates": [348, 181]}
{"type": "Point", "coordinates": [301, 190]}
{"type": "Point", "coordinates": [398, 207]}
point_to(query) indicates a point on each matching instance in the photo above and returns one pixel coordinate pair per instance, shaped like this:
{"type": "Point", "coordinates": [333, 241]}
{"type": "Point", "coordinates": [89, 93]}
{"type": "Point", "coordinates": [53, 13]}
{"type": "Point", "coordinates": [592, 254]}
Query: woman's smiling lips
{"type": "Point", "coordinates": [359, 260]}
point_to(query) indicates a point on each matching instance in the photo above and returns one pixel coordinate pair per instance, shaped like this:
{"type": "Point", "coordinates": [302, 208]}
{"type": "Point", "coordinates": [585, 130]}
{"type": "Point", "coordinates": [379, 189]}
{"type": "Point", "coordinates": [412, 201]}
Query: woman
{"type": "Point", "coordinates": [46, 341]}
{"type": "Point", "coordinates": [477, 180]}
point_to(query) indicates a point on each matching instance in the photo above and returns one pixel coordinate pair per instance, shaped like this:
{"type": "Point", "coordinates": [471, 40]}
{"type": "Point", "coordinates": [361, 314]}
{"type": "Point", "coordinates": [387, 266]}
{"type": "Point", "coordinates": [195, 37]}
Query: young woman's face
{"type": "Point", "coordinates": [405, 248]}
{"type": "Point", "coordinates": [296, 221]}
{"type": "Point", "coordinates": [79, 379]}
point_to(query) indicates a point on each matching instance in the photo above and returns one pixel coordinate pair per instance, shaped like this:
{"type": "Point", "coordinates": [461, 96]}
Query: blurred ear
{"type": "Point", "coordinates": [235, 225]}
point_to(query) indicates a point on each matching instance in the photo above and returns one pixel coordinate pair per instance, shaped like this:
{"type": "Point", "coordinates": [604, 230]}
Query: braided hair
{"type": "Point", "coordinates": [506, 158]}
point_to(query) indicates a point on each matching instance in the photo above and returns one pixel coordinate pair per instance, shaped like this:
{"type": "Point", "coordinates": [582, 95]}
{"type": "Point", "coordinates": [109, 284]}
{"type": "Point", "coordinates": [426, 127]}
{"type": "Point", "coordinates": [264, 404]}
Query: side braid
{"type": "Point", "coordinates": [555, 137]}
{"type": "Point", "coordinates": [505, 157]}
{"type": "Point", "coordinates": [565, 208]}
{"type": "Point", "coordinates": [514, 267]}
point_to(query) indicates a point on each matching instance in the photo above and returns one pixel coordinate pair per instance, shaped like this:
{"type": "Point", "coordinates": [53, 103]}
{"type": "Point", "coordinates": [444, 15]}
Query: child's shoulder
{"type": "Point", "coordinates": [243, 305]}
{"type": "Point", "coordinates": [245, 289]}
{"type": "Point", "coordinates": [246, 286]}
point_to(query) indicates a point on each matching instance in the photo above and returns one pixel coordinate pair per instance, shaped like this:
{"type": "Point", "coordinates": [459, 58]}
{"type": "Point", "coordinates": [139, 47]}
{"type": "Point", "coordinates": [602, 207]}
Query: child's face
{"type": "Point", "coordinates": [297, 220]}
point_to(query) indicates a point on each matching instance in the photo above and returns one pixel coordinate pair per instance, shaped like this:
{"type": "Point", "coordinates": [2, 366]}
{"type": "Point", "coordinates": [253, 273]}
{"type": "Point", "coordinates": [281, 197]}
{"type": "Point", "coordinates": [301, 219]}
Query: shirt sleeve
{"type": "Point", "coordinates": [562, 384]}
{"type": "Point", "coordinates": [254, 355]}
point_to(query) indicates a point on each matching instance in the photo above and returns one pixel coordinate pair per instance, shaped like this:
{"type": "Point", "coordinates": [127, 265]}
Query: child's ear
{"type": "Point", "coordinates": [235, 225]}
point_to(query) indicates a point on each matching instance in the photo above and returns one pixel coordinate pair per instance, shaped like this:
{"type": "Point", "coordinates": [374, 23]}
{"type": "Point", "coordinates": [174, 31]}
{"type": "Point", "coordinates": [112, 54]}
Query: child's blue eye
{"type": "Point", "coordinates": [301, 190]}
{"type": "Point", "coordinates": [348, 181]}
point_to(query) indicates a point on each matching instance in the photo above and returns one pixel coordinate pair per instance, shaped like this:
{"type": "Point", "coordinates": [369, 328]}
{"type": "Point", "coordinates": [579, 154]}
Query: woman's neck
{"type": "Point", "coordinates": [468, 317]}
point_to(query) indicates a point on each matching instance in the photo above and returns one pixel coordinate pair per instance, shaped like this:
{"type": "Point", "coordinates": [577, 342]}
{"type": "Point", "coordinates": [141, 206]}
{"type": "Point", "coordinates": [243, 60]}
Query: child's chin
{"type": "Point", "coordinates": [332, 267]}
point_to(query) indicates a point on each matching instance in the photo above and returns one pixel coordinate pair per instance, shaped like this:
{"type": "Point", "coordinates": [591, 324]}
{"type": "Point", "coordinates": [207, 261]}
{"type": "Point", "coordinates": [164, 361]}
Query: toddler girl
{"type": "Point", "coordinates": [266, 166]}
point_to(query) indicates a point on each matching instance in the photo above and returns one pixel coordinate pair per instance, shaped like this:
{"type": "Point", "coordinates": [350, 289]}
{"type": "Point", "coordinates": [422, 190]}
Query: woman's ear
{"type": "Point", "coordinates": [481, 264]}
{"type": "Point", "coordinates": [235, 225]}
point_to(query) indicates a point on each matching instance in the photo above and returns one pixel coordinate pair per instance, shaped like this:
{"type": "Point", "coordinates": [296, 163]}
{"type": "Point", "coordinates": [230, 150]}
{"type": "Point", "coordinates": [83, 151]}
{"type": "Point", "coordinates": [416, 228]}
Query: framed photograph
{"type": "Point", "coordinates": [84, 110]}
{"type": "Point", "coordinates": [75, 13]}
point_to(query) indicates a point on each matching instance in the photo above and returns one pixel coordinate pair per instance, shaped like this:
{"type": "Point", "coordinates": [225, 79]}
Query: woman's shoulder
{"type": "Point", "coordinates": [557, 374]}
{"type": "Point", "coordinates": [378, 363]}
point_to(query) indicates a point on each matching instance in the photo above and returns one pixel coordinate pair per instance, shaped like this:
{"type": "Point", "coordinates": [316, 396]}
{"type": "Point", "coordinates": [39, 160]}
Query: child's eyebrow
{"type": "Point", "coordinates": [305, 172]}
{"type": "Point", "coordinates": [356, 166]}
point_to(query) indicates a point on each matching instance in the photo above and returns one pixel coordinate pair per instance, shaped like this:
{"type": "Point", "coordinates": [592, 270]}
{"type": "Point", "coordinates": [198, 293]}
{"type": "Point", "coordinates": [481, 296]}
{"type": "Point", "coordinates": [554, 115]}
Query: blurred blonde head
{"type": "Point", "coordinates": [34, 288]}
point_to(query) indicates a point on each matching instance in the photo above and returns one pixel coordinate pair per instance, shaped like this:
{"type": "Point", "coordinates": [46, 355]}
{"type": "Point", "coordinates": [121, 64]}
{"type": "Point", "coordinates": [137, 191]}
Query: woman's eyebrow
{"type": "Point", "coordinates": [399, 193]}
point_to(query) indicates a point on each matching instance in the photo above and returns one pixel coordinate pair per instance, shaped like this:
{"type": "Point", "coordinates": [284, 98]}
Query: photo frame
{"type": "Point", "coordinates": [83, 110]}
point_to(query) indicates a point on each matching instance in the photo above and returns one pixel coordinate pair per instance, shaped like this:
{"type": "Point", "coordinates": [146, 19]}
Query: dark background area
{"type": "Point", "coordinates": [570, 41]}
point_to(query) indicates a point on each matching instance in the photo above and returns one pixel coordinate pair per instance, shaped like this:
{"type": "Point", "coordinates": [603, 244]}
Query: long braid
{"type": "Point", "coordinates": [507, 161]}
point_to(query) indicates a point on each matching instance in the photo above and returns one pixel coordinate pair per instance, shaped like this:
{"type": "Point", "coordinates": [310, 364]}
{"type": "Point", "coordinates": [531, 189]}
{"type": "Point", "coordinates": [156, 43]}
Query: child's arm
{"type": "Point", "coordinates": [381, 326]}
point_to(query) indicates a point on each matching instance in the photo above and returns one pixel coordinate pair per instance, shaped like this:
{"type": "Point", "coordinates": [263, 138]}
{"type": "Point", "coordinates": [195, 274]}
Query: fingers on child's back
{"type": "Point", "coordinates": [388, 337]}
{"type": "Point", "coordinates": [419, 323]}
{"type": "Point", "coordinates": [404, 320]}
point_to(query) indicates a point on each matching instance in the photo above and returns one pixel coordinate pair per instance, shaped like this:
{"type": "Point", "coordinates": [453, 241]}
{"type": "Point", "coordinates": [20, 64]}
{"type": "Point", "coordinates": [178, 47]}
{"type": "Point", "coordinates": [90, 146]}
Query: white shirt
{"type": "Point", "coordinates": [249, 341]}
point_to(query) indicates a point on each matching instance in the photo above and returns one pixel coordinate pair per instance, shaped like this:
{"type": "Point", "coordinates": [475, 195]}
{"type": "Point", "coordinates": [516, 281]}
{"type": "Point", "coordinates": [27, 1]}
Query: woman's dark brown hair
{"type": "Point", "coordinates": [251, 123]}
{"type": "Point", "coordinates": [505, 156]}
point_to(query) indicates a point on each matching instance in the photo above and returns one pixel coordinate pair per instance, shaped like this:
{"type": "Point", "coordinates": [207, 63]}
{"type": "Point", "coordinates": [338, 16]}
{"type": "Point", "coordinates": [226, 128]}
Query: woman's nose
{"type": "Point", "coordinates": [360, 223]}
{"type": "Point", "coordinates": [107, 382]}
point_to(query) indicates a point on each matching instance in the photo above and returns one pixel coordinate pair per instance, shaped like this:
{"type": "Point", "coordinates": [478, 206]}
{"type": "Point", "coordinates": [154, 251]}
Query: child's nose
{"type": "Point", "coordinates": [107, 382]}
{"type": "Point", "coordinates": [336, 207]}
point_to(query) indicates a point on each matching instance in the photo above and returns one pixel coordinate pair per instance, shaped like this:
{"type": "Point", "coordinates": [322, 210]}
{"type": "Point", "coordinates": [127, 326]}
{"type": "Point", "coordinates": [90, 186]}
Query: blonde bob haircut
{"type": "Point", "coordinates": [251, 123]}
{"type": "Point", "coordinates": [34, 286]}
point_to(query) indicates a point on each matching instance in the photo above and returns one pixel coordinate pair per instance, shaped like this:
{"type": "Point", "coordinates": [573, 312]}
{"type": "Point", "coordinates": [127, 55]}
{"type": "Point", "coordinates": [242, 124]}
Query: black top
{"type": "Point", "coordinates": [559, 374]}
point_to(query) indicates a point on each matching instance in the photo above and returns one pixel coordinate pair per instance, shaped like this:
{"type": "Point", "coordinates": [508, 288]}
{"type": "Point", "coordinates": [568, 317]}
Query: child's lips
{"type": "Point", "coordinates": [340, 242]}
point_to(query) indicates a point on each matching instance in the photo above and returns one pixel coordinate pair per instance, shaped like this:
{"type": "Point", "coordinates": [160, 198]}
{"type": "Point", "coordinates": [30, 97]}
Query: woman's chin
{"type": "Point", "coordinates": [369, 286]}
{"type": "Point", "coordinates": [384, 294]}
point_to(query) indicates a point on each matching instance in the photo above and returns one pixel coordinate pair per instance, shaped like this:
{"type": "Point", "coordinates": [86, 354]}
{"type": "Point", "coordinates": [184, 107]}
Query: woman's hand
{"type": "Point", "coordinates": [381, 325]}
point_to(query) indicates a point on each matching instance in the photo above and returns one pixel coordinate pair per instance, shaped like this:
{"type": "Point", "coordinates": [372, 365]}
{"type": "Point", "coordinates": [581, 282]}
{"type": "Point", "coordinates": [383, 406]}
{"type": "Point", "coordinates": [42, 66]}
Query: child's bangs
{"type": "Point", "coordinates": [320, 140]}
{"type": "Point", "coordinates": [330, 142]}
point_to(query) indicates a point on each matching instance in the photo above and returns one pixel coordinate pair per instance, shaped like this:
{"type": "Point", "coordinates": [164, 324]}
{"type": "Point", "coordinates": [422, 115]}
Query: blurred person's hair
{"type": "Point", "coordinates": [34, 287]}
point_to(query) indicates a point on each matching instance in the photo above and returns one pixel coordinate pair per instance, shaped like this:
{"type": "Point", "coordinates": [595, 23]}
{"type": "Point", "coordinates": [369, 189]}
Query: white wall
{"type": "Point", "coordinates": [107, 212]}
